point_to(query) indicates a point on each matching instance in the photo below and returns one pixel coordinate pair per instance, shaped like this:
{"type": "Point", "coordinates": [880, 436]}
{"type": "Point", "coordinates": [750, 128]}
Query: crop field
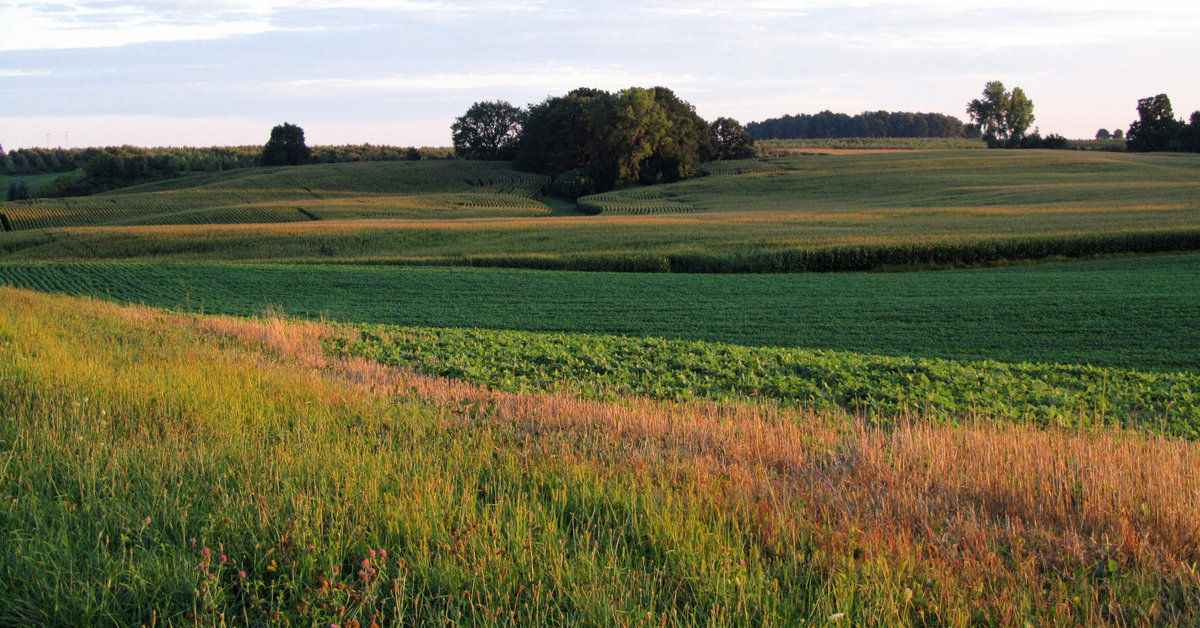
{"type": "Point", "coordinates": [179, 470]}
{"type": "Point", "coordinates": [444, 189]}
{"type": "Point", "coordinates": [932, 209]}
{"type": "Point", "coordinates": [408, 393]}
{"type": "Point", "coordinates": [883, 389]}
{"type": "Point", "coordinates": [1130, 312]}
{"type": "Point", "coordinates": [652, 200]}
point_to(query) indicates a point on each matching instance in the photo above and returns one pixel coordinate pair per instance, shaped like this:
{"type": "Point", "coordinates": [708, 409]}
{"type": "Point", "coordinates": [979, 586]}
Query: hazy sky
{"type": "Point", "coordinates": [223, 72]}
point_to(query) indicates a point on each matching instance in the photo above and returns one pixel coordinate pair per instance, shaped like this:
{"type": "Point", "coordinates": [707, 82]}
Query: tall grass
{"type": "Point", "coordinates": [150, 459]}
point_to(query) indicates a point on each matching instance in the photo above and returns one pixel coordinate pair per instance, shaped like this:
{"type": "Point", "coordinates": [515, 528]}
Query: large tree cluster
{"type": "Point", "coordinates": [591, 140]}
{"type": "Point", "coordinates": [1156, 128]}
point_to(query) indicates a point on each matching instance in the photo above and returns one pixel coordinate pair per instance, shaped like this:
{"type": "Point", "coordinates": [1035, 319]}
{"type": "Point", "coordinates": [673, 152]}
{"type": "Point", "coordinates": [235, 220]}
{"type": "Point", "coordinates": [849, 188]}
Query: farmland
{"type": "Point", "coordinates": [413, 393]}
{"type": "Point", "coordinates": [840, 212]}
{"type": "Point", "coordinates": [179, 469]}
{"type": "Point", "coordinates": [325, 192]}
{"type": "Point", "coordinates": [1131, 313]}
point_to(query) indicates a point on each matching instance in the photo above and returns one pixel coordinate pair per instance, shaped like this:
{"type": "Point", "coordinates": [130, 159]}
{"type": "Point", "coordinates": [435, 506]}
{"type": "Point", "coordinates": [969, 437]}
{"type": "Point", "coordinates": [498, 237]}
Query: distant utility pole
{"type": "Point", "coordinates": [66, 139]}
{"type": "Point", "coordinates": [47, 141]}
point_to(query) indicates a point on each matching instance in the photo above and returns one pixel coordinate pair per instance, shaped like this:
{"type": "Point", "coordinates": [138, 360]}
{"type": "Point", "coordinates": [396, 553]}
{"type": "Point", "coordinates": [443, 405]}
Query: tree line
{"type": "Point", "coordinates": [827, 125]}
{"type": "Point", "coordinates": [30, 161]}
{"type": "Point", "coordinates": [590, 140]}
{"type": "Point", "coordinates": [90, 170]}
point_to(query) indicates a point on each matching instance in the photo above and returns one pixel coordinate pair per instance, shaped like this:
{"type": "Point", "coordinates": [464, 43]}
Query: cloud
{"type": "Point", "coordinates": [39, 26]}
{"type": "Point", "coordinates": [548, 78]}
{"type": "Point", "coordinates": [104, 23]}
{"type": "Point", "coordinates": [5, 73]}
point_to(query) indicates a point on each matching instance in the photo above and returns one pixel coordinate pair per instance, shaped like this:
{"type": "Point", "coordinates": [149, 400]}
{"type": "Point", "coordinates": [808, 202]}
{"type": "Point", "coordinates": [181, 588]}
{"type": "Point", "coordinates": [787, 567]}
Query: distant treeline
{"type": "Point", "coordinates": [212, 159]}
{"type": "Point", "coordinates": [91, 170]}
{"type": "Point", "coordinates": [828, 124]}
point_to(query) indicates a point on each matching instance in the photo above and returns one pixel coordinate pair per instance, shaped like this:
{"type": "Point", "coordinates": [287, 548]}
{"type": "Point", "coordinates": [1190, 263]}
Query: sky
{"type": "Point", "coordinates": [223, 72]}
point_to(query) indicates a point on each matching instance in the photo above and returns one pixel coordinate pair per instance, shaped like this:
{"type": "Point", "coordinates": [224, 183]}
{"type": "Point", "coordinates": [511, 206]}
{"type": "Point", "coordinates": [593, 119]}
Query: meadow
{"type": "Point", "coordinates": [166, 469]}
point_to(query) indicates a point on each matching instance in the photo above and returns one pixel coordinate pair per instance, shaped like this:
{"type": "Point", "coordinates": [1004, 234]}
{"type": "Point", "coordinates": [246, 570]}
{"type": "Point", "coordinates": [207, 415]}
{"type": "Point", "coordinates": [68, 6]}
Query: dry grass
{"type": "Point", "coordinates": [993, 517]}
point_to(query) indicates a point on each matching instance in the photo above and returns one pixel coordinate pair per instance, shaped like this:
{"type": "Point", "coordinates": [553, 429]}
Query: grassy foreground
{"type": "Point", "coordinates": [1134, 313]}
{"type": "Point", "coordinates": [178, 470]}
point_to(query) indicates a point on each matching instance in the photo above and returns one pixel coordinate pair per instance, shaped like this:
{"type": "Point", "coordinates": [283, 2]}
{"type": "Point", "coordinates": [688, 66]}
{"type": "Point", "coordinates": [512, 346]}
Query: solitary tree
{"type": "Point", "coordinates": [1003, 116]}
{"type": "Point", "coordinates": [1156, 127]}
{"type": "Point", "coordinates": [488, 130]}
{"type": "Point", "coordinates": [286, 147]}
{"type": "Point", "coordinates": [18, 191]}
{"type": "Point", "coordinates": [1103, 134]}
{"type": "Point", "coordinates": [732, 141]}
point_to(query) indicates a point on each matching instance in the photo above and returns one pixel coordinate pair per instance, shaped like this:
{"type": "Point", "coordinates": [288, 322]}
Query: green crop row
{"type": "Point", "coordinates": [1135, 313]}
{"type": "Point", "coordinates": [915, 255]}
{"type": "Point", "coordinates": [886, 388]}
{"type": "Point", "coordinates": [738, 166]}
{"type": "Point", "coordinates": [633, 202]}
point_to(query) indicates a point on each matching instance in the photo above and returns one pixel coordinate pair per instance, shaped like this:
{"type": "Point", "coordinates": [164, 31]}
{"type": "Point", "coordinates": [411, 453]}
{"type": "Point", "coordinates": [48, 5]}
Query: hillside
{"type": "Point", "coordinates": [799, 213]}
{"type": "Point", "coordinates": [442, 189]}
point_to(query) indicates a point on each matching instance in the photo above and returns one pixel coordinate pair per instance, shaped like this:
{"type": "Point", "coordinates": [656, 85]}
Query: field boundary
{"type": "Point", "coordinates": [856, 258]}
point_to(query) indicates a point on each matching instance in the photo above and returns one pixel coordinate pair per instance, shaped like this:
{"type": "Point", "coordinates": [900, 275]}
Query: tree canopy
{"type": "Point", "coordinates": [488, 130]}
{"type": "Point", "coordinates": [828, 124]}
{"type": "Point", "coordinates": [591, 140]}
{"type": "Point", "coordinates": [1003, 116]}
{"type": "Point", "coordinates": [732, 140]}
{"type": "Point", "coordinates": [286, 147]}
{"type": "Point", "coordinates": [1156, 127]}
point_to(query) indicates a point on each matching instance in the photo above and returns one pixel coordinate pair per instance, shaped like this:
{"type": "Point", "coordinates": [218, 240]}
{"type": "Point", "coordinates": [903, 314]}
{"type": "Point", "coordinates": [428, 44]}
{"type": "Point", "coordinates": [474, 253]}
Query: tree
{"type": "Point", "coordinates": [1156, 127]}
{"type": "Point", "coordinates": [1118, 134]}
{"type": "Point", "coordinates": [687, 142]}
{"type": "Point", "coordinates": [1003, 116]}
{"type": "Point", "coordinates": [18, 191]}
{"type": "Point", "coordinates": [732, 141]}
{"type": "Point", "coordinates": [488, 130]}
{"type": "Point", "coordinates": [1103, 134]}
{"type": "Point", "coordinates": [591, 140]}
{"type": "Point", "coordinates": [988, 112]}
{"type": "Point", "coordinates": [286, 147]}
{"type": "Point", "coordinates": [1191, 134]}
{"type": "Point", "coordinates": [561, 138]}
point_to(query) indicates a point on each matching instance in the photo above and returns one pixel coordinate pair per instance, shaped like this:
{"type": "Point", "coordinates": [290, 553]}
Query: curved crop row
{"type": "Point", "coordinates": [738, 166]}
{"type": "Point", "coordinates": [635, 201]}
{"type": "Point", "coordinates": [487, 200]}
